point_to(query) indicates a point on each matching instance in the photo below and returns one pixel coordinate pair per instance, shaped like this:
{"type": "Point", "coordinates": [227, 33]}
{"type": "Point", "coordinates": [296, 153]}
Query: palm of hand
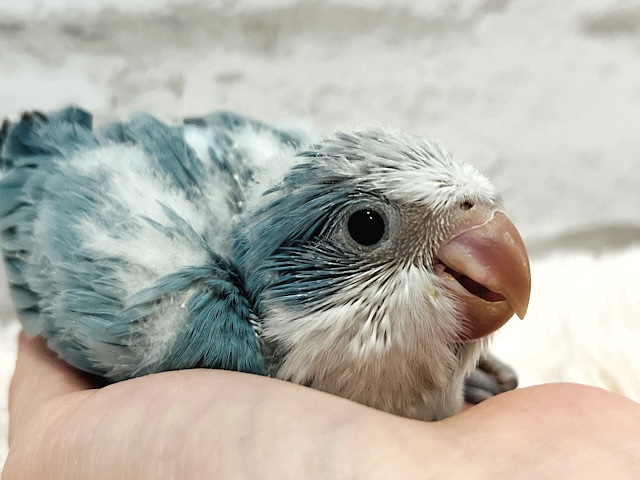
{"type": "Point", "coordinates": [217, 424]}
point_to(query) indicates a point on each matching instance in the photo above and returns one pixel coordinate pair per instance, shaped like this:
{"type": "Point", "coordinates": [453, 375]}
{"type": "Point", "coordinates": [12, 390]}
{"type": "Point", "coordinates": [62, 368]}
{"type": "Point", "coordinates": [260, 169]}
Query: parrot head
{"type": "Point", "coordinates": [380, 266]}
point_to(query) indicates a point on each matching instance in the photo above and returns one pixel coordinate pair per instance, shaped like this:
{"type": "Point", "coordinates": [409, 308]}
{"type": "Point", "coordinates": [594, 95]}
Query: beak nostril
{"type": "Point", "coordinates": [466, 205]}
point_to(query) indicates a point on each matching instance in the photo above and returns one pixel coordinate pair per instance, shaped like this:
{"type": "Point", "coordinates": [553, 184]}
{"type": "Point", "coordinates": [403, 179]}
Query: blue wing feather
{"type": "Point", "coordinates": [167, 148]}
{"type": "Point", "coordinates": [64, 234]}
{"type": "Point", "coordinates": [218, 328]}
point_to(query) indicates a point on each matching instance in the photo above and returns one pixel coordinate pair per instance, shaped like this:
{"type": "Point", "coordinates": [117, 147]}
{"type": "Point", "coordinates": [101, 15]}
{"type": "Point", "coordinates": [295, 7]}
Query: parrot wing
{"type": "Point", "coordinates": [116, 241]}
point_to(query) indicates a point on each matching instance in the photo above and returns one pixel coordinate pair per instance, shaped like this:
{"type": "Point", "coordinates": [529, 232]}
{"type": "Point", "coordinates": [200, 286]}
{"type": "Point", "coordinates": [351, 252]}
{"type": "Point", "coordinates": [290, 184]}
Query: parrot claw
{"type": "Point", "coordinates": [491, 377]}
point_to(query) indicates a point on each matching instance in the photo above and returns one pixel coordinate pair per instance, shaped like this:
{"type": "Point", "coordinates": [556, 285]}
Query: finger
{"type": "Point", "coordinates": [574, 431]}
{"type": "Point", "coordinates": [150, 427]}
{"type": "Point", "coordinates": [39, 377]}
{"type": "Point", "coordinates": [204, 424]}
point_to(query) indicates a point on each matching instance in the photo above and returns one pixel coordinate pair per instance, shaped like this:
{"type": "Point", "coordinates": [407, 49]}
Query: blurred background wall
{"type": "Point", "coordinates": [543, 96]}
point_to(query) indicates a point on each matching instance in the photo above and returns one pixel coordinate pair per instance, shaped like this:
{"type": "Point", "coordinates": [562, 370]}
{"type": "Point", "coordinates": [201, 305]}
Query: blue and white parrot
{"type": "Point", "coordinates": [370, 264]}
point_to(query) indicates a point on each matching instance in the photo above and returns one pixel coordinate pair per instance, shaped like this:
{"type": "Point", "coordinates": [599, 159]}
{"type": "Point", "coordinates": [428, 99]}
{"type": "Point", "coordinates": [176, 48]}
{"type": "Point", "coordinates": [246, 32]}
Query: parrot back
{"type": "Point", "coordinates": [116, 242]}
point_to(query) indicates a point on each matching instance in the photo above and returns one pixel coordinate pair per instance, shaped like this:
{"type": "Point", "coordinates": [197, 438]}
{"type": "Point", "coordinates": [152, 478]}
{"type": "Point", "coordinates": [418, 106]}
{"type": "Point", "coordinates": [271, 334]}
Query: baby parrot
{"type": "Point", "coordinates": [370, 264]}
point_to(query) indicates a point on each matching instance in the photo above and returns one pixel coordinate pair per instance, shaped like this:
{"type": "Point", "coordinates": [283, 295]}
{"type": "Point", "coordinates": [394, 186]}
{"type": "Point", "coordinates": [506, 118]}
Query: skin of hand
{"type": "Point", "coordinates": [217, 424]}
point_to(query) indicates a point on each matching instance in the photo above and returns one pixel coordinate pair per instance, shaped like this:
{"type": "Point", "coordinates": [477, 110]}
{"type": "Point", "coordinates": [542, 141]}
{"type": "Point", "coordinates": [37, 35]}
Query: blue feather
{"type": "Point", "coordinates": [65, 293]}
{"type": "Point", "coordinates": [167, 148]}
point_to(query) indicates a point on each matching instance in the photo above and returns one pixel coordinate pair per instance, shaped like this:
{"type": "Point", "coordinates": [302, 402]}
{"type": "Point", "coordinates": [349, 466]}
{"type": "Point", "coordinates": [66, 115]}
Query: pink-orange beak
{"type": "Point", "coordinates": [485, 265]}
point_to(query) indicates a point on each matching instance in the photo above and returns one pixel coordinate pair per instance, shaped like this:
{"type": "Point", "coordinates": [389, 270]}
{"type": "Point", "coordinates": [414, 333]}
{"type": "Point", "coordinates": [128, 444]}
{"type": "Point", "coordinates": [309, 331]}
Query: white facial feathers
{"type": "Point", "coordinates": [411, 170]}
{"type": "Point", "coordinates": [389, 350]}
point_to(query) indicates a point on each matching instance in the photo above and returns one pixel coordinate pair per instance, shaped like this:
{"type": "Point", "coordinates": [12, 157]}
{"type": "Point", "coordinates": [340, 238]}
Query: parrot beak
{"type": "Point", "coordinates": [485, 265]}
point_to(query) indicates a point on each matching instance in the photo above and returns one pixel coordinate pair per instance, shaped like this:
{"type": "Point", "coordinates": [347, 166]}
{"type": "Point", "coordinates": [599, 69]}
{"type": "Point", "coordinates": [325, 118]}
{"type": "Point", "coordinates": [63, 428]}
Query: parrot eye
{"type": "Point", "coordinates": [366, 227]}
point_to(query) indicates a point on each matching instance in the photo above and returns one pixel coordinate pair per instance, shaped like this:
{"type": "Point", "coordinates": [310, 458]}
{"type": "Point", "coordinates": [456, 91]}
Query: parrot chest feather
{"type": "Point", "coordinates": [411, 380]}
{"type": "Point", "coordinates": [387, 350]}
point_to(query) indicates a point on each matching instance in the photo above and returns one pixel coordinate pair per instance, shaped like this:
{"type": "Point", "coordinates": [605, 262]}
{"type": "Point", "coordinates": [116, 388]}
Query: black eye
{"type": "Point", "coordinates": [366, 227]}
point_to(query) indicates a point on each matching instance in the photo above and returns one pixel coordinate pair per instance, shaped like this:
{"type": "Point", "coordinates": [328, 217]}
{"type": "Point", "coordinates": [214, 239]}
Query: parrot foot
{"type": "Point", "coordinates": [491, 377]}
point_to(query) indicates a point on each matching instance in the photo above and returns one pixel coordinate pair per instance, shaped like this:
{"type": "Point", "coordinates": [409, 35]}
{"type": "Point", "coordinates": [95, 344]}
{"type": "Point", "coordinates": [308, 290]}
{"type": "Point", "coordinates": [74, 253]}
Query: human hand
{"type": "Point", "coordinates": [216, 424]}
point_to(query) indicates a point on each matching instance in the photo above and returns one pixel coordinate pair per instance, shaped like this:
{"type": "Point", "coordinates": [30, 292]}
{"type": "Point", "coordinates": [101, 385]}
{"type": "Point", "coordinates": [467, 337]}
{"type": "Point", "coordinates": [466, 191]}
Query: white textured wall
{"type": "Point", "coordinates": [544, 96]}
